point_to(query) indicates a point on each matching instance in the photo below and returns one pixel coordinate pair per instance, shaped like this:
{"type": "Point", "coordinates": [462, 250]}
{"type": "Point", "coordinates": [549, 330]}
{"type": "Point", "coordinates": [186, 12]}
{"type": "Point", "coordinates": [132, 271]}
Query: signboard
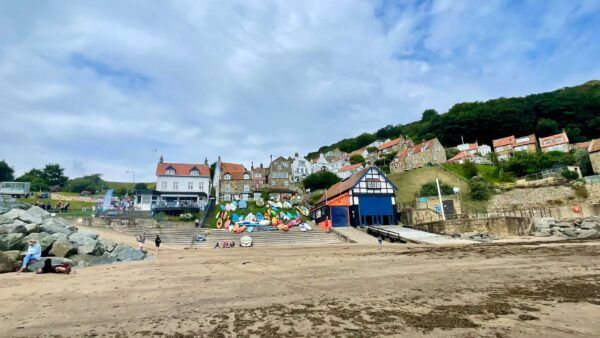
{"type": "Point", "coordinates": [423, 200]}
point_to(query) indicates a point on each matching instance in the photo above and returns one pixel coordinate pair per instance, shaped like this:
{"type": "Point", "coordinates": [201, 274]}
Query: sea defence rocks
{"type": "Point", "coordinates": [580, 228]}
{"type": "Point", "coordinates": [59, 240]}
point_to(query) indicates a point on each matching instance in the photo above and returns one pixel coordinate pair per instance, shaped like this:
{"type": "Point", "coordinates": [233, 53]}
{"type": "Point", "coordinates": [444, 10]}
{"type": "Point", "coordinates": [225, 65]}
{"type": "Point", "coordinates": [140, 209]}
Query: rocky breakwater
{"type": "Point", "coordinates": [59, 240]}
{"type": "Point", "coordinates": [577, 228]}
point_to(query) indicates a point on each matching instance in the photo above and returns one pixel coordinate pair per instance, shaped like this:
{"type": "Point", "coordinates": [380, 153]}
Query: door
{"type": "Point", "coordinates": [449, 210]}
{"type": "Point", "coordinates": [339, 216]}
{"type": "Point", "coordinates": [376, 210]}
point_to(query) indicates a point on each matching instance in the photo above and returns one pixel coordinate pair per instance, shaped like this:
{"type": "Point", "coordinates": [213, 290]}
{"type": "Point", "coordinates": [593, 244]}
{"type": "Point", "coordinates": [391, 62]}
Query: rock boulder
{"type": "Point", "coordinates": [37, 212]}
{"type": "Point", "coordinates": [52, 226]}
{"type": "Point", "coordinates": [11, 242]}
{"type": "Point", "coordinates": [87, 245]}
{"type": "Point", "coordinates": [43, 238]}
{"type": "Point", "coordinates": [13, 228]}
{"type": "Point", "coordinates": [89, 260]}
{"type": "Point", "coordinates": [63, 248]}
{"type": "Point", "coordinates": [7, 263]}
{"type": "Point", "coordinates": [587, 225]}
{"type": "Point", "coordinates": [588, 234]}
{"type": "Point", "coordinates": [109, 244]}
{"type": "Point", "coordinates": [127, 253]}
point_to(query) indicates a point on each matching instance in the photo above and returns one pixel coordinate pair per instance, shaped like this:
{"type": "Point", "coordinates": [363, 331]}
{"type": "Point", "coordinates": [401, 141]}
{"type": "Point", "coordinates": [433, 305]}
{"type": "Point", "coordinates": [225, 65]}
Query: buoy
{"type": "Point", "coordinates": [576, 209]}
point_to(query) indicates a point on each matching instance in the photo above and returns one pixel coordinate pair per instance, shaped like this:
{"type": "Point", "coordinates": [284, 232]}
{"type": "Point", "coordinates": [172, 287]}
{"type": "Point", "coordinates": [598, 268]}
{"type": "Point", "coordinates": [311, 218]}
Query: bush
{"type": "Point", "coordinates": [480, 189]}
{"type": "Point", "coordinates": [430, 189]}
{"type": "Point", "coordinates": [469, 169]}
{"type": "Point", "coordinates": [320, 180]}
{"type": "Point", "coordinates": [580, 189]}
{"type": "Point", "coordinates": [354, 159]}
{"type": "Point", "coordinates": [141, 186]}
{"type": "Point", "coordinates": [569, 175]}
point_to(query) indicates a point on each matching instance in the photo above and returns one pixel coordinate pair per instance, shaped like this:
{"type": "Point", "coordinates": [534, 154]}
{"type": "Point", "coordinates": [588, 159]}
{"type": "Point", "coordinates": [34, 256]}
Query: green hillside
{"type": "Point", "coordinates": [576, 109]}
{"type": "Point", "coordinates": [409, 184]}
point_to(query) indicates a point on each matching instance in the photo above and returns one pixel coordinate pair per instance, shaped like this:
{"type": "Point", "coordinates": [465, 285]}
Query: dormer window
{"type": "Point", "coordinates": [246, 176]}
{"type": "Point", "coordinates": [227, 176]}
{"type": "Point", "coordinates": [194, 172]}
{"type": "Point", "coordinates": [170, 171]}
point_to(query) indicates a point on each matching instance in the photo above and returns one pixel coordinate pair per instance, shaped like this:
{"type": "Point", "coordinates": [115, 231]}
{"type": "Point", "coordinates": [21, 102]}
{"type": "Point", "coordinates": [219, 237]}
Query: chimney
{"type": "Point", "coordinates": [161, 160]}
{"type": "Point", "coordinates": [219, 161]}
{"type": "Point", "coordinates": [206, 161]}
{"type": "Point", "coordinates": [261, 166]}
{"type": "Point", "coordinates": [252, 165]}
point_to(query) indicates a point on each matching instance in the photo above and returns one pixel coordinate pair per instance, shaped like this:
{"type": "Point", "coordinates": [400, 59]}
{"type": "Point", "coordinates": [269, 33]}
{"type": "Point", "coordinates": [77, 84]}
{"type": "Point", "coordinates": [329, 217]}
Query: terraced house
{"type": "Point", "coordinates": [506, 146]}
{"type": "Point", "coordinates": [280, 177]}
{"type": "Point", "coordinates": [232, 181]}
{"type": "Point", "coordinates": [423, 154]}
{"type": "Point", "coordinates": [558, 142]}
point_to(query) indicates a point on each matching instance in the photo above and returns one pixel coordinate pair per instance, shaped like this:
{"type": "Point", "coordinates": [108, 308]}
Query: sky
{"type": "Point", "coordinates": [109, 86]}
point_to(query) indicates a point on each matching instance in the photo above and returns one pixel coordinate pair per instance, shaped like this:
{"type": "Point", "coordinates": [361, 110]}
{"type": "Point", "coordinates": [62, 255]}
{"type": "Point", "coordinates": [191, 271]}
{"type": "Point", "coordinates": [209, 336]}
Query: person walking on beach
{"type": "Point", "coordinates": [140, 240]}
{"type": "Point", "coordinates": [380, 240]}
{"type": "Point", "coordinates": [33, 254]}
{"type": "Point", "coordinates": [157, 242]}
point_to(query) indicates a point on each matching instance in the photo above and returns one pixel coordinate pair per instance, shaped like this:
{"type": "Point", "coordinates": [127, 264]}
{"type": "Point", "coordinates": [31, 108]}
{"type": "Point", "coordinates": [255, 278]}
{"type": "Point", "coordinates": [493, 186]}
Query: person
{"type": "Point", "coordinates": [49, 268]}
{"type": "Point", "coordinates": [157, 242]}
{"type": "Point", "coordinates": [32, 255]}
{"type": "Point", "coordinates": [217, 246]}
{"type": "Point", "coordinates": [140, 240]}
{"type": "Point", "coordinates": [197, 223]}
{"type": "Point", "coordinates": [380, 240]}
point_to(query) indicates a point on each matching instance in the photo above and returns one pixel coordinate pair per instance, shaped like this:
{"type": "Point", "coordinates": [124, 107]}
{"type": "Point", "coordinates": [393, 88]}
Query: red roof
{"type": "Point", "coordinates": [554, 140]}
{"type": "Point", "coordinates": [350, 167]}
{"type": "Point", "coordinates": [236, 170]}
{"type": "Point", "coordinates": [389, 144]}
{"type": "Point", "coordinates": [581, 145]}
{"type": "Point", "coordinates": [182, 169]}
{"type": "Point", "coordinates": [415, 149]}
{"type": "Point", "coordinates": [460, 156]}
{"type": "Point", "coordinates": [530, 140]}
{"type": "Point", "coordinates": [594, 146]}
{"type": "Point", "coordinates": [501, 142]}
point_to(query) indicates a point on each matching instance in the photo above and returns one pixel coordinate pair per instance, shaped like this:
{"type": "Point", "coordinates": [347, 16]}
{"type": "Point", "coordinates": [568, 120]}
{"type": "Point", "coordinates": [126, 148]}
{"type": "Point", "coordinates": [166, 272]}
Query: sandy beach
{"type": "Point", "coordinates": [505, 290]}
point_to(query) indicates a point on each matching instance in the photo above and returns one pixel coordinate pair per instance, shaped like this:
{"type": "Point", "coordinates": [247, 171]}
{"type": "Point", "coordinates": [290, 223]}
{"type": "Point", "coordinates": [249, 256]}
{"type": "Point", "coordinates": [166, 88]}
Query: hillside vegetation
{"type": "Point", "coordinates": [576, 109]}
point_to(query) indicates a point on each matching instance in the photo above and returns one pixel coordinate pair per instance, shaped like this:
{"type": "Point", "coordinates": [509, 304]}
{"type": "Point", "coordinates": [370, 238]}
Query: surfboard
{"type": "Point", "coordinates": [287, 205]}
{"type": "Point", "coordinates": [279, 204]}
{"type": "Point", "coordinates": [235, 217]}
{"type": "Point", "coordinates": [265, 222]}
{"type": "Point", "coordinates": [307, 226]}
{"type": "Point", "coordinates": [249, 217]}
{"type": "Point", "coordinates": [272, 204]}
{"type": "Point", "coordinates": [227, 223]}
{"type": "Point", "coordinates": [243, 204]}
{"type": "Point", "coordinates": [259, 216]}
{"type": "Point", "coordinates": [236, 227]}
{"type": "Point", "coordinates": [241, 229]}
{"type": "Point", "coordinates": [219, 223]}
{"type": "Point", "coordinates": [222, 207]}
{"type": "Point", "coordinates": [250, 229]}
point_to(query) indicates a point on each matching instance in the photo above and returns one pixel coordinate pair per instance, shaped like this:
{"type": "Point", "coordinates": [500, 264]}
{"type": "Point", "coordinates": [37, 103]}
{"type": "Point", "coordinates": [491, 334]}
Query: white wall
{"type": "Point", "coordinates": [182, 184]}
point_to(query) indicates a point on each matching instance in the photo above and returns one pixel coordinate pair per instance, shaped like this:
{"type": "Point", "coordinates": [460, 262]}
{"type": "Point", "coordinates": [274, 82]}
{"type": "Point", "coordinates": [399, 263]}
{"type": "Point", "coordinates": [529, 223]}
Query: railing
{"type": "Point", "coordinates": [497, 212]}
{"type": "Point", "coordinates": [207, 208]}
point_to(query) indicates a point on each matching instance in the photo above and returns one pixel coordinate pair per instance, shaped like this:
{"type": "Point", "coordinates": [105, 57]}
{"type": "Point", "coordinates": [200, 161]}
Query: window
{"type": "Point", "coordinates": [256, 175]}
{"type": "Point", "coordinates": [163, 185]}
{"type": "Point", "coordinates": [227, 197]}
{"type": "Point", "coordinates": [257, 195]}
{"type": "Point", "coordinates": [227, 176]}
{"type": "Point", "coordinates": [547, 142]}
{"type": "Point", "coordinates": [246, 176]}
{"type": "Point", "coordinates": [286, 183]}
{"type": "Point", "coordinates": [246, 188]}
{"type": "Point", "coordinates": [279, 166]}
{"type": "Point", "coordinates": [558, 140]}
{"type": "Point", "coordinates": [373, 184]}
{"type": "Point", "coordinates": [273, 183]}
{"type": "Point", "coordinates": [227, 188]}
{"type": "Point", "coordinates": [200, 185]}
{"type": "Point", "coordinates": [194, 172]}
{"type": "Point", "coordinates": [170, 171]}
{"type": "Point", "coordinates": [175, 186]}
{"type": "Point", "coordinates": [190, 185]}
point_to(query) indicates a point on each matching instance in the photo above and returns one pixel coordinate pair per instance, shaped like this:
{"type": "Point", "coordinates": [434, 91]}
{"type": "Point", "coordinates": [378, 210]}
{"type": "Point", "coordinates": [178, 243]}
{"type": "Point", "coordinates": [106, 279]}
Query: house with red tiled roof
{"type": "Point", "coordinates": [464, 156]}
{"type": "Point", "coordinates": [506, 146]}
{"type": "Point", "coordinates": [424, 154]}
{"type": "Point", "coordinates": [558, 142]}
{"type": "Point", "coordinates": [232, 181]}
{"type": "Point", "coordinates": [594, 151]}
{"type": "Point", "coordinates": [349, 170]}
{"type": "Point", "coordinates": [396, 144]}
{"type": "Point", "coordinates": [179, 187]}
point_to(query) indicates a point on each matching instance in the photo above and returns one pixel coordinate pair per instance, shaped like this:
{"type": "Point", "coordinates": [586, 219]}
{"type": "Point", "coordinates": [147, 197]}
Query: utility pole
{"type": "Point", "coordinates": [437, 181]}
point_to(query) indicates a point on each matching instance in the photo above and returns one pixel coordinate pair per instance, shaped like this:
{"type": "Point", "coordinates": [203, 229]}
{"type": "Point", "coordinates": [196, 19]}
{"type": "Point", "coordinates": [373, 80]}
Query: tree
{"type": "Point", "coordinates": [547, 127]}
{"type": "Point", "coordinates": [141, 186]}
{"type": "Point", "coordinates": [36, 178]}
{"type": "Point", "coordinates": [430, 189]}
{"type": "Point", "coordinates": [93, 183]}
{"type": "Point", "coordinates": [451, 152]}
{"type": "Point", "coordinates": [583, 161]}
{"type": "Point", "coordinates": [53, 175]}
{"type": "Point", "coordinates": [6, 172]}
{"type": "Point", "coordinates": [469, 169]}
{"type": "Point", "coordinates": [320, 180]}
{"type": "Point", "coordinates": [372, 149]}
{"type": "Point", "coordinates": [429, 115]}
{"type": "Point", "coordinates": [357, 158]}
{"type": "Point", "coordinates": [480, 189]}
{"type": "Point", "coordinates": [569, 175]}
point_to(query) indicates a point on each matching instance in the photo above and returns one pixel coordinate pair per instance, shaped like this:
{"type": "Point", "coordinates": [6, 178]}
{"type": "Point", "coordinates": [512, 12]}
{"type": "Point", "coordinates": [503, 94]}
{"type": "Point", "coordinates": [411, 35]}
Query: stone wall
{"type": "Point", "coordinates": [500, 227]}
{"type": "Point", "coordinates": [552, 196]}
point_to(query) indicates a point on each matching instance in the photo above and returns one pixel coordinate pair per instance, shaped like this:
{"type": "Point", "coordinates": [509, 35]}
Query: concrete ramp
{"type": "Point", "coordinates": [353, 235]}
{"type": "Point", "coordinates": [415, 236]}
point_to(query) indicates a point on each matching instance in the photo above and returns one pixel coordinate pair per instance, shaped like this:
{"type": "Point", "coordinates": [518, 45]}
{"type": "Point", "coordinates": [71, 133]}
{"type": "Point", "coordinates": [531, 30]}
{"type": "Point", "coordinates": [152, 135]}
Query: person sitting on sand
{"type": "Point", "coordinates": [49, 268]}
{"type": "Point", "coordinates": [32, 255]}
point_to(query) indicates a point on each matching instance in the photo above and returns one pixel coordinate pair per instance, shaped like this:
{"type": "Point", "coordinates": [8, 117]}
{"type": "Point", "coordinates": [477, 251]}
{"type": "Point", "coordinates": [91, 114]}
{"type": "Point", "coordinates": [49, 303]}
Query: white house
{"type": "Point", "coordinates": [349, 170]}
{"type": "Point", "coordinates": [335, 166]}
{"type": "Point", "coordinates": [474, 148]}
{"type": "Point", "coordinates": [319, 164]}
{"type": "Point", "coordinates": [300, 168]}
{"type": "Point", "coordinates": [179, 186]}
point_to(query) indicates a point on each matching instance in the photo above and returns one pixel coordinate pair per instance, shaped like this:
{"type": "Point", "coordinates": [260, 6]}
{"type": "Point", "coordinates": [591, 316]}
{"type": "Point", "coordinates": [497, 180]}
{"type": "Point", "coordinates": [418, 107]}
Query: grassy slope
{"type": "Point", "coordinates": [488, 172]}
{"type": "Point", "coordinates": [410, 182]}
{"type": "Point", "coordinates": [129, 185]}
{"type": "Point", "coordinates": [75, 207]}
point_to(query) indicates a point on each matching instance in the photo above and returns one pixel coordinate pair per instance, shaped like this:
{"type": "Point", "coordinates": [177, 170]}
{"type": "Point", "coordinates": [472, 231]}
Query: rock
{"type": "Point", "coordinates": [13, 228]}
{"type": "Point", "coordinates": [587, 225]}
{"type": "Point", "coordinates": [570, 232]}
{"type": "Point", "coordinates": [11, 242]}
{"type": "Point", "coordinates": [89, 260]}
{"type": "Point", "coordinates": [16, 255]}
{"type": "Point", "coordinates": [527, 317]}
{"type": "Point", "coordinates": [127, 253]}
{"type": "Point", "coordinates": [109, 244]}
{"type": "Point", "coordinates": [89, 234]}
{"type": "Point", "coordinates": [63, 248]}
{"type": "Point", "coordinates": [14, 214]}
{"type": "Point", "coordinates": [542, 233]}
{"type": "Point", "coordinates": [5, 220]}
{"type": "Point", "coordinates": [33, 227]}
{"type": "Point", "coordinates": [87, 245]}
{"type": "Point", "coordinates": [59, 235]}
{"type": "Point", "coordinates": [563, 224]}
{"type": "Point", "coordinates": [43, 238]}
{"type": "Point", "coordinates": [588, 234]}
{"type": "Point", "coordinates": [7, 263]}
{"type": "Point", "coordinates": [37, 212]}
{"type": "Point", "coordinates": [52, 226]}
{"type": "Point", "coordinates": [55, 261]}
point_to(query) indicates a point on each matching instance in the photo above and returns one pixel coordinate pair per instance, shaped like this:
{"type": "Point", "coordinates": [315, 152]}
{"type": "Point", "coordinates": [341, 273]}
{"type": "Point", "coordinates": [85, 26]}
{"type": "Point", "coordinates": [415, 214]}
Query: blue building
{"type": "Point", "coordinates": [365, 198]}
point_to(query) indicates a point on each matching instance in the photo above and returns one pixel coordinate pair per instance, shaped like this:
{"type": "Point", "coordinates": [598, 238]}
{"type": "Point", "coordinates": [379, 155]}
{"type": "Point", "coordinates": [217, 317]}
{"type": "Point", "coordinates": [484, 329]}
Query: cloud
{"type": "Point", "coordinates": [98, 86]}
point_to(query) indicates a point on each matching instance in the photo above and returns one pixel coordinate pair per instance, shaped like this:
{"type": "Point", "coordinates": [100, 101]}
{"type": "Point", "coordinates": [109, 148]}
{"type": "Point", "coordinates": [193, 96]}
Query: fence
{"type": "Point", "coordinates": [412, 216]}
